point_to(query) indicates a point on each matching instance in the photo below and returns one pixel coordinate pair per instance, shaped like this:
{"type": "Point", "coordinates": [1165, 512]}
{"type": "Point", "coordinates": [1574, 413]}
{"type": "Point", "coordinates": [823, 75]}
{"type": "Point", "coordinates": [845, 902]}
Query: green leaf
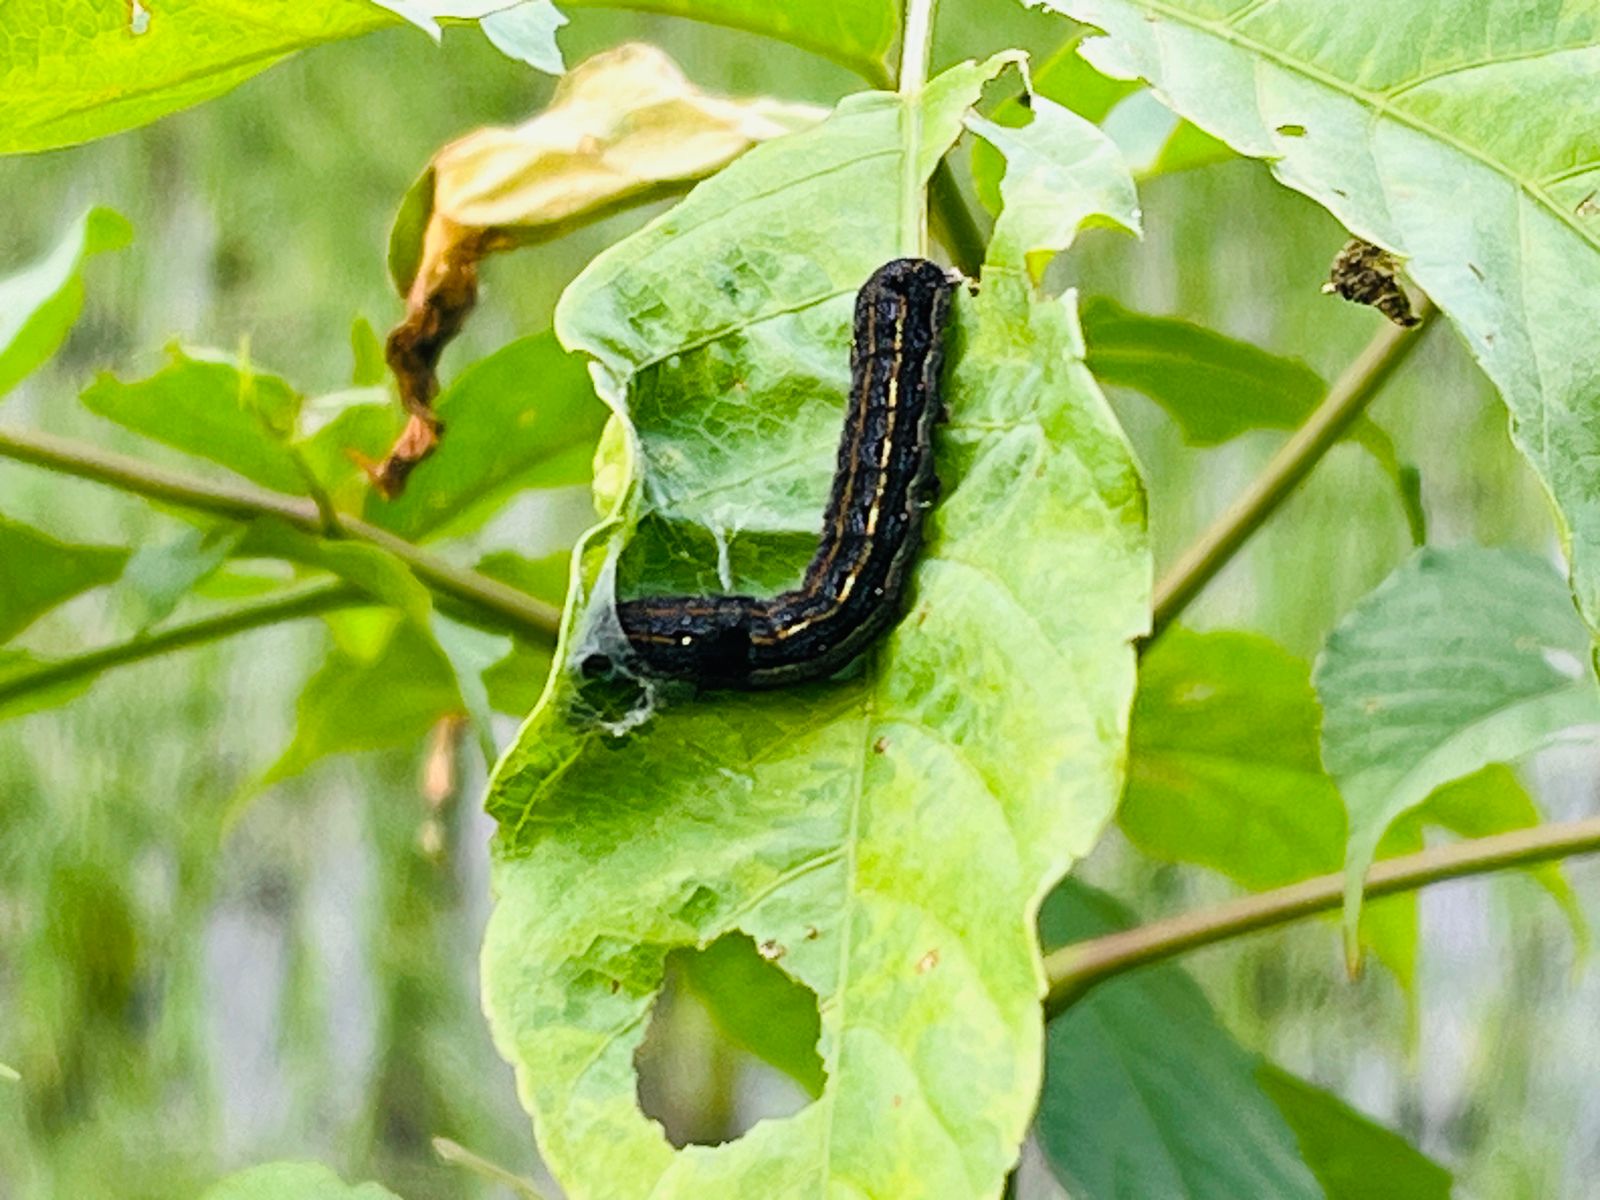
{"type": "Point", "coordinates": [1353, 1157]}
{"type": "Point", "coordinates": [351, 426]}
{"type": "Point", "coordinates": [368, 365]}
{"type": "Point", "coordinates": [39, 304]}
{"type": "Point", "coordinates": [376, 572]}
{"type": "Point", "coordinates": [37, 572]}
{"type": "Point", "coordinates": [757, 1007]}
{"type": "Point", "coordinates": [353, 704]}
{"type": "Point", "coordinates": [14, 663]}
{"type": "Point", "coordinates": [1061, 171]}
{"type": "Point", "coordinates": [516, 682]}
{"type": "Point", "coordinates": [1388, 117]}
{"type": "Point", "coordinates": [161, 574]}
{"type": "Point", "coordinates": [1146, 1094]}
{"type": "Point", "coordinates": [1482, 804]}
{"type": "Point", "coordinates": [406, 234]}
{"type": "Point", "coordinates": [293, 1181]}
{"type": "Point", "coordinates": [205, 404]}
{"type": "Point", "coordinates": [73, 70]}
{"type": "Point", "coordinates": [471, 653]}
{"type": "Point", "coordinates": [858, 34]}
{"type": "Point", "coordinates": [1224, 772]}
{"type": "Point", "coordinates": [525, 416]}
{"type": "Point", "coordinates": [1217, 388]}
{"type": "Point", "coordinates": [1066, 79]}
{"type": "Point", "coordinates": [887, 833]}
{"type": "Point", "coordinates": [1223, 766]}
{"type": "Point", "coordinates": [527, 32]}
{"type": "Point", "coordinates": [1459, 659]}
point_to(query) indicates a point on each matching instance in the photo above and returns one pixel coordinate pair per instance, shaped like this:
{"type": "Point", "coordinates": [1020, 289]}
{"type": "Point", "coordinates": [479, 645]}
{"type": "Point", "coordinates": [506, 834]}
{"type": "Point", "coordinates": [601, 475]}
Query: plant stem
{"type": "Point", "coordinates": [293, 606]}
{"type": "Point", "coordinates": [916, 43]}
{"type": "Point", "coordinates": [486, 596]}
{"type": "Point", "coordinates": [1346, 400]}
{"type": "Point", "coordinates": [1073, 970]}
{"type": "Point", "coordinates": [957, 227]}
{"type": "Point", "coordinates": [915, 46]}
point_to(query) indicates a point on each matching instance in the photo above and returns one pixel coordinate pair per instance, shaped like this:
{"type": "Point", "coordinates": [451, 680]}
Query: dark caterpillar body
{"type": "Point", "coordinates": [854, 589]}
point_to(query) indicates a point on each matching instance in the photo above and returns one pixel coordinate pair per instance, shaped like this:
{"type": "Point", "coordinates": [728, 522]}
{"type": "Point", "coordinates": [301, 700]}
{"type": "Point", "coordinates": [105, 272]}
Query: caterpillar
{"type": "Point", "coordinates": [854, 589]}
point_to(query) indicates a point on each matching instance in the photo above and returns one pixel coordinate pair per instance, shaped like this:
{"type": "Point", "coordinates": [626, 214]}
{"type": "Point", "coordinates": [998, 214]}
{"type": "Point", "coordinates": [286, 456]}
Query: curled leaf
{"type": "Point", "coordinates": [625, 127]}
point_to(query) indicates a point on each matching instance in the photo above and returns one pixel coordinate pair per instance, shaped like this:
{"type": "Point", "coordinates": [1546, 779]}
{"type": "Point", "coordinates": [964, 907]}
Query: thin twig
{"type": "Point", "coordinates": [478, 592]}
{"type": "Point", "coordinates": [1074, 969]}
{"type": "Point", "coordinates": [1346, 401]}
{"type": "Point", "coordinates": [292, 606]}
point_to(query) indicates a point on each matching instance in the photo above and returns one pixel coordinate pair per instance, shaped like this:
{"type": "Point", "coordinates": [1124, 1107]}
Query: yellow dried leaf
{"type": "Point", "coordinates": [624, 123]}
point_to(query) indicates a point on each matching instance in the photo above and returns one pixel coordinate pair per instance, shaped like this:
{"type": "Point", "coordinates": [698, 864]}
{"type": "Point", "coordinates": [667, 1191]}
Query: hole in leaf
{"type": "Point", "coordinates": [732, 1040]}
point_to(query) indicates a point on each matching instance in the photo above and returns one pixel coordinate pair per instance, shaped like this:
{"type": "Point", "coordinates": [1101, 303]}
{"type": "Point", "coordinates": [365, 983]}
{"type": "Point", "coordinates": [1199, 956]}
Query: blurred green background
{"type": "Point", "coordinates": [194, 977]}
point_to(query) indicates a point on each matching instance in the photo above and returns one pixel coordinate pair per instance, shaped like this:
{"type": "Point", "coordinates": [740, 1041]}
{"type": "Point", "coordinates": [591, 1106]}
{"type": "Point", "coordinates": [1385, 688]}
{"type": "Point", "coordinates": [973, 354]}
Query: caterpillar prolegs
{"type": "Point", "coordinates": [854, 589]}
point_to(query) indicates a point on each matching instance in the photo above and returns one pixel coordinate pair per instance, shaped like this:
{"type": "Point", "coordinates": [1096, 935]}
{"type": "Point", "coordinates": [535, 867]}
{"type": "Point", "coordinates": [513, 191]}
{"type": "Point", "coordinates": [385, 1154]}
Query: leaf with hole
{"type": "Point", "coordinates": [1061, 172]}
{"type": "Point", "coordinates": [1387, 115]}
{"type": "Point", "coordinates": [879, 835]}
{"type": "Point", "coordinates": [1066, 79]}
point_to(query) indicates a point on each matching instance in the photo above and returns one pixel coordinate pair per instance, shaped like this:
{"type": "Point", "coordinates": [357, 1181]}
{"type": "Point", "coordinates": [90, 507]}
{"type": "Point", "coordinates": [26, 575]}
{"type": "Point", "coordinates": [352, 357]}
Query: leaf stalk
{"type": "Point", "coordinates": [1349, 397]}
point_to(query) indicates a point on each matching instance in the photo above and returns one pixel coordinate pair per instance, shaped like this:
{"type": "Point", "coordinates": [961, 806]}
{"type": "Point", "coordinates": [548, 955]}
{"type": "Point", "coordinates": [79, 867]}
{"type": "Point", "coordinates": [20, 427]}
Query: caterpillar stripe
{"type": "Point", "coordinates": [855, 587]}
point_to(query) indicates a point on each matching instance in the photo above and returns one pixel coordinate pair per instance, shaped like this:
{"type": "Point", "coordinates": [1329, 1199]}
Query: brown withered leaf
{"type": "Point", "coordinates": [624, 128]}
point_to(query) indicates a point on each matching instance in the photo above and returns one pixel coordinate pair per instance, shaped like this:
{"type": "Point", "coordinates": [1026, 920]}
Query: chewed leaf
{"type": "Point", "coordinates": [1387, 115]}
{"type": "Point", "coordinates": [527, 31]}
{"type": "Point", "coordinates": [883, 837]}
{"type": "Point", "coordinates": [1061, 171]}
